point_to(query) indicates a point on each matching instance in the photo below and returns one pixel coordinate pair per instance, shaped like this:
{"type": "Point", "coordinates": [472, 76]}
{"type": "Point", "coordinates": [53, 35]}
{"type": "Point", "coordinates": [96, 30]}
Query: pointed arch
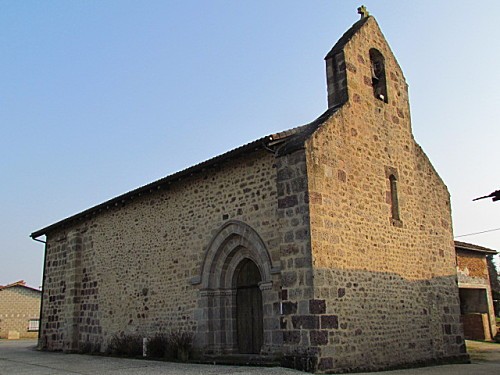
{"type": "Point", "coordinates": [232, 236]}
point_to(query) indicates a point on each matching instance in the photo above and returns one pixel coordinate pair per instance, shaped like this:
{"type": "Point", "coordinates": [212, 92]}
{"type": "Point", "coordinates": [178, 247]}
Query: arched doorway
{"type": "Point", "coordinates": [236, 265]}
{"type": "Point", "coordinates": [249, 315]}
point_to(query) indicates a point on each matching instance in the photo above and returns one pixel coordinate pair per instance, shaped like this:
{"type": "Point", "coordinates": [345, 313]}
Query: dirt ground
{"type": "Point", "coordinates": [483, 351]}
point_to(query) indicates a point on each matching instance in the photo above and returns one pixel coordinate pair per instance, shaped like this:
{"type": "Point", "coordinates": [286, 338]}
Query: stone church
{"type": "Point", "coordinates": [328, 245]}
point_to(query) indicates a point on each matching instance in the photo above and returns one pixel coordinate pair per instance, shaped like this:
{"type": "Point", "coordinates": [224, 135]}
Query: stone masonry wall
{"type": "Point", "coordinates": [296, 262]}
{"type": "Point", "coordinates": [128, 269]}
{"type": "Point", "coordinates": [385, 289]}
{"type": "Point", "coordinates": [18, 305]}
{"type": "Point", "coordinates": [472, 268]}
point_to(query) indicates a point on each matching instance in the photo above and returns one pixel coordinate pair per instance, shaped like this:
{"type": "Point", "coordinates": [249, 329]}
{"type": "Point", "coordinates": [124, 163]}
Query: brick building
{"type": "Point", "coordinates": [19, 311]}
{"type": "Point", "coordinates": [328, 245]}
{"type": "Point", "coordinates": [476, 302]}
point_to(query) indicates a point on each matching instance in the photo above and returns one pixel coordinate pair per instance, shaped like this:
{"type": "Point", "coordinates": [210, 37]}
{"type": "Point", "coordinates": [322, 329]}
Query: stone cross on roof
{"type": "Point", "coordinates": [363, 11]}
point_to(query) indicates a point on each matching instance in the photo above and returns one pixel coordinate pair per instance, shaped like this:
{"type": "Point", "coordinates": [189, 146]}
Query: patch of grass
{"type": "Point", "coordinates": [180, 345]}
{"type": "Point", "coordinates": [173, 346]}
{"type": "Point", "coordinates": [89, 348]}
{"type": "Point", "coordinates": [157, 346]}
{"type": "Point", "coordinates": [129, 345]}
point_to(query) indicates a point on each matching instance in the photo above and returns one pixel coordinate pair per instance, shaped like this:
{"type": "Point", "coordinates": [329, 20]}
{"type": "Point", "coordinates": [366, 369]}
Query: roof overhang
{"type": "Point", "coordinates": [471, 247]}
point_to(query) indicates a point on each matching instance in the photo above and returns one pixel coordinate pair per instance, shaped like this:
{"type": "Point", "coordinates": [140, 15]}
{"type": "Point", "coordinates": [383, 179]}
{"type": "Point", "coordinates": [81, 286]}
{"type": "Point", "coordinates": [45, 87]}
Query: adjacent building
{"type": "Point", "coordinates": [19, 311]}
{"type": "Point", "coordinates": [328, 245]}
{"type": "Point", "coordinates": [476, 302]}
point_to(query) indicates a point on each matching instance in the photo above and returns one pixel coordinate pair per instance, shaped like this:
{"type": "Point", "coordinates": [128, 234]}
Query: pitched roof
{"type": "Point", "coordinates": [344, 39]}
{"type": "Point", "coordinates": [20, 283]}
{"type": "Point", "coordinates": [296, 141]}
{"type": "Point", "coordinates": [471, 247]}
{"type": "Point", "coordinates": [280, 143]}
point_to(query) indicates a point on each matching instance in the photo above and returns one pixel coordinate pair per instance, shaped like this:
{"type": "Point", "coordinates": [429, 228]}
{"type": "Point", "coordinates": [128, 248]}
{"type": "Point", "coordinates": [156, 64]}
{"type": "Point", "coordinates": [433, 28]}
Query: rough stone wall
{"type": "Point", "coordinates": [296, 262]}
{"type": "Point", "coordinates": [128, 269]}
{"type": "Point", "coordinates": [18, 305]}
{"type": "Point", "coordinates": [385, 290]}
{"type": "Point", "coordinates": [472, 268]}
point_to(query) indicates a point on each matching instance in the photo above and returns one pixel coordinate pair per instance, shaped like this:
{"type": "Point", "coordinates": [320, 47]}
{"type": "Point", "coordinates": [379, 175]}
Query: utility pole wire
{"type": "Point", "coordinates": [473, 234]}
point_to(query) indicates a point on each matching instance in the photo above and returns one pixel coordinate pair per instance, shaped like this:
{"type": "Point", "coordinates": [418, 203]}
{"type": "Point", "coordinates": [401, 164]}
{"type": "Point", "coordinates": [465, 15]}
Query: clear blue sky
{"type": "Point", "coordinates": [100, 97]}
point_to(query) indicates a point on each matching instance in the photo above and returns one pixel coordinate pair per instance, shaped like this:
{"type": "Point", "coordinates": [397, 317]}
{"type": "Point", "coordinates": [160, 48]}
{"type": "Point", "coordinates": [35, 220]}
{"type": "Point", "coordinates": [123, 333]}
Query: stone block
{"type": "Point", "coordinates": [318, 337]}
{"type": "Point", "coordinates": [325, 364]}
{"type": "Point", "coordinates": [288, 201]}
{"type": "Point", "coordinates": [305, 322]}
{"type": "Point", "coordinates": [288, 278]}
{"type": "Point", "coordinates": [329, 322]}
{"type": "Point", "coordinates": [289, 307]}
{"type": "Point", "coordinates": [317, 306]}
{"type": "Point", "coordinates": [291, 337]}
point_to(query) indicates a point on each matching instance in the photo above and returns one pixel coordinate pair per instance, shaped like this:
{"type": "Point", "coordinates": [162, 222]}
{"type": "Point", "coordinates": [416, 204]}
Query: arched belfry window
{"type": "Point", "coordinates": [379, 83]}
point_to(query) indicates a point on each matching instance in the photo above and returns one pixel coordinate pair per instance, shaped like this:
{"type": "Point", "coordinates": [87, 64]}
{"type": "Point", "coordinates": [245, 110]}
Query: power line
{"type": "Point", "coordinates": [473, 234]}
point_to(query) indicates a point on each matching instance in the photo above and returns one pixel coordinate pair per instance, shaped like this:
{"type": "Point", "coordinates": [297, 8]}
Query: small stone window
{"type": "Point", "coordinates": [379, 84]}
{"type": "Point", "coordinates": [392, 195]}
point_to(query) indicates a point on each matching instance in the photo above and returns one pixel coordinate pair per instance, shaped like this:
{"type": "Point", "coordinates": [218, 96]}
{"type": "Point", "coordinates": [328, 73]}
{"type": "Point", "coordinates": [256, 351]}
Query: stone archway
{"type": "Point", "coordinates": [233, 247]}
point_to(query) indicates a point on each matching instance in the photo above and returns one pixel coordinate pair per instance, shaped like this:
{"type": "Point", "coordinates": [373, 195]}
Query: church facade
{"type": "Point", "coordinates": [329, 245]}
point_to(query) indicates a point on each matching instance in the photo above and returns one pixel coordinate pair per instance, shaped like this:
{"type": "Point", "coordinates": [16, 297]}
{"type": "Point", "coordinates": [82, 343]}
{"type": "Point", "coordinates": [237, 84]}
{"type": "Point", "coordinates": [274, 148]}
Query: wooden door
{"type": "Point", "coordinates": [249, 309]}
